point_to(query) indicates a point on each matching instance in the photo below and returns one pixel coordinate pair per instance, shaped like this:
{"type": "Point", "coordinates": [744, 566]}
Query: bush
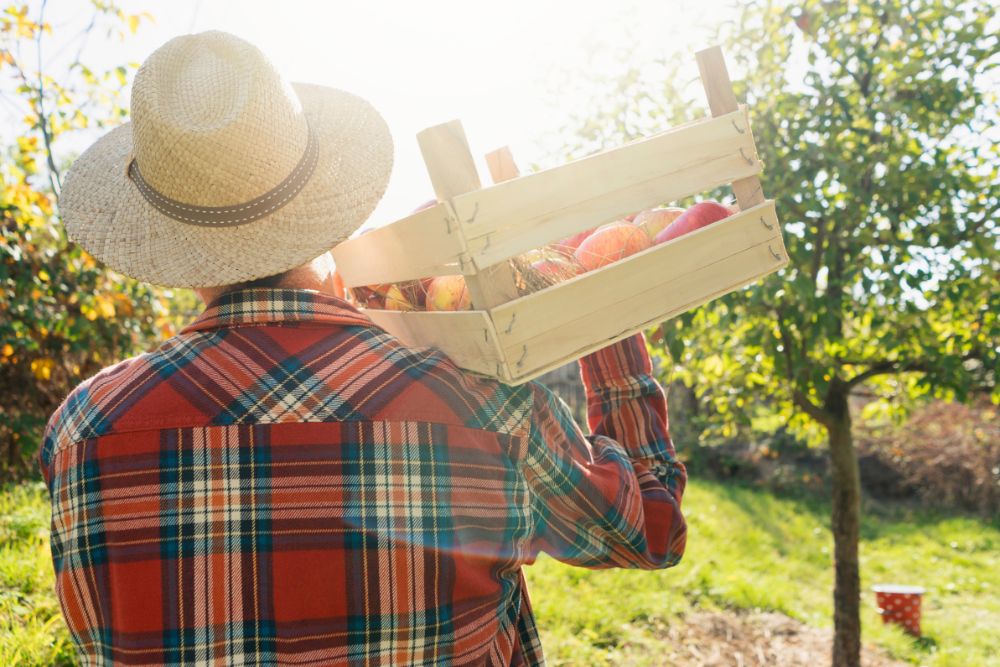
{"type": "Point", "coordinates": [946, 454]}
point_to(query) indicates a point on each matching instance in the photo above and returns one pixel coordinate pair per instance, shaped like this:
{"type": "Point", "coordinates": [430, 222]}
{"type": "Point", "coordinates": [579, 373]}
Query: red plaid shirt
{"type": "Point", "coordinates": [285, 483]}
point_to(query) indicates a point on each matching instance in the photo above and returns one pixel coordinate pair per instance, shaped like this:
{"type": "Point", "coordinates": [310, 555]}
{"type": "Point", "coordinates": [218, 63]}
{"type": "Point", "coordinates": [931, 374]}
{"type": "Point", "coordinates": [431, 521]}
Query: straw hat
{"type": "Point", "coordinates": [227, 172]}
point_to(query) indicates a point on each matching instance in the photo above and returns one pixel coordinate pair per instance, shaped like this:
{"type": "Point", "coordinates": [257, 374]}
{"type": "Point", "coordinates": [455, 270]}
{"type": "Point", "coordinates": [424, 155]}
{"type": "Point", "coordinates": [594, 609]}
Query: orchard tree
{"type": "Point", "coordinates": [874, 121]}
{"type": "Point", "coordinates": [62, 317]}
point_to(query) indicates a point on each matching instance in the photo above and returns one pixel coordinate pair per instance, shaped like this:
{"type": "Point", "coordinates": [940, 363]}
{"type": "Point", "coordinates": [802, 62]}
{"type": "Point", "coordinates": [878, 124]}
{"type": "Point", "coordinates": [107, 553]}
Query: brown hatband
{"type": "Point", "coordinates": [239, 214]}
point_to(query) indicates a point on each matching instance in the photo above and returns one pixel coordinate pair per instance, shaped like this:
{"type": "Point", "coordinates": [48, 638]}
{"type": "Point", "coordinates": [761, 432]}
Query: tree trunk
{"type": "Point", "coordinates": [846, 520]}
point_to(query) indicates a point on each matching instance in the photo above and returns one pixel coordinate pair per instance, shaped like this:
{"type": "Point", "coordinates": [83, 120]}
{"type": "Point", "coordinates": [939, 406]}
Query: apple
{"type": "Point", "coordinates": [413, 291]}
{"type": "Point", "coordinates": [448, 293]}
{"type": "Point", "coordinates": [733, 208]}
{"type": "Point", "coordinates": [610, 243]}
{"type": "Point", "coordinates": [396, 300]}
{"type": "Point", "coordinates": [367, 297]}
{"type": "Point", "coordinates": [655, 220]}
{"type": "Point", "coordinates": [568, 245]}
{"type": "Point", "coordinates": [700, 215]}
{"type": "Point", "coordinates": [555, 269]}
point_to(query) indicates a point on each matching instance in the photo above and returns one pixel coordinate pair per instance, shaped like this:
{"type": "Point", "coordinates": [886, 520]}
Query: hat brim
{"type": "Point", "coordinates": [106, 214]}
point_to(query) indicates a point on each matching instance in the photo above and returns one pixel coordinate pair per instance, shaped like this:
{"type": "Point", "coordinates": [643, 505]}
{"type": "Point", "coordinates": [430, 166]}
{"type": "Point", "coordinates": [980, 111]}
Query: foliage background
{"type": "Point", "coordinates": [62, 316]}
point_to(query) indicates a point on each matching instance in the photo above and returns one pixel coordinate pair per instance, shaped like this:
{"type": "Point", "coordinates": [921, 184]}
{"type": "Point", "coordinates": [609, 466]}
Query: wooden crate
{"type": "Point", "coordinates": [474, 231]}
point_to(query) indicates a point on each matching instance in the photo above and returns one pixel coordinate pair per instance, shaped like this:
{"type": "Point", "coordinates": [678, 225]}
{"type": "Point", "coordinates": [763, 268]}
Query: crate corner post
{"type": "Point", "coordinates": [452, 171]}
{"type": "Point", "coordinates": [722, 100]}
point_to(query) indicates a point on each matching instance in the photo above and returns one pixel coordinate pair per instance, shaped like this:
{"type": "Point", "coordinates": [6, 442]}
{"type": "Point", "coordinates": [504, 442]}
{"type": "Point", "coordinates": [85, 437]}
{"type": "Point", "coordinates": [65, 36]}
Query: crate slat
{"type": "Point", "coordinates": [467, 337]}
{"type": "Point", "coordinates": [453, 172]}
{"type": "Point", "coordinates": [627, 315]}
{"type": "Point", "coordinates": [528, 212]}
{"type": "Point", "coordinates": [423, 244]}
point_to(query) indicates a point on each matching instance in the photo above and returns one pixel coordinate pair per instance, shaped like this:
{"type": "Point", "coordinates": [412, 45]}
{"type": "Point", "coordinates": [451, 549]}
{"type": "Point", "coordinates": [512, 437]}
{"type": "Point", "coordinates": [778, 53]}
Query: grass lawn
{"type": "Point", "coordinates": [32, 631]}
{"type": "Point", "coordinates": [748, 549]}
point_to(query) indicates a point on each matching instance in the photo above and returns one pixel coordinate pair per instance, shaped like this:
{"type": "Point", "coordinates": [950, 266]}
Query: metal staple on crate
{"type": "Point", "coordinates": [749, 160]}
{"type": "Point", "coordinates": [510, 326]}
{"type": "Point", "coordinates": [475, 212]}
{"type": "Point", "coordinates": [774, 254]}
{"type": "Point", "coordinates": [764, 222]}
{"type": "Point", "coordinates": [737, 127]}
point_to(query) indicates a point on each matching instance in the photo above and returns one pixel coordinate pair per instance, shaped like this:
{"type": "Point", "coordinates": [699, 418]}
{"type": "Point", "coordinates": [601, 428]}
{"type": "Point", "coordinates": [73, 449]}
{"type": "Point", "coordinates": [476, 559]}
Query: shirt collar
{"type": "Point", "coordinates": [261, 306]}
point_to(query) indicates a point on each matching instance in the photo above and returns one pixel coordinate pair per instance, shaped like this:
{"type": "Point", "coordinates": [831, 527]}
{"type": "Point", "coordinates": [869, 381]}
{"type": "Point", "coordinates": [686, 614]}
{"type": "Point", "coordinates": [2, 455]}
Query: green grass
{"type": "Point", "coordinates": [750, 549]}
{"type": "Point", "coordinates": [32, 631]}
{"type": "Point", "coordinates": [747, 549]}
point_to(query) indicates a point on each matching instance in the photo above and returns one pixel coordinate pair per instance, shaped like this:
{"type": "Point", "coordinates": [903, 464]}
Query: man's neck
{"type": "Point", "coordinates": [316, 275]}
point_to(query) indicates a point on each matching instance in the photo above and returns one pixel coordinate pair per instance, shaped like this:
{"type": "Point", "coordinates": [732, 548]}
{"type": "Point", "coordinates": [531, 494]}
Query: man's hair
{"type": "Point", "coordinates": [267, 281]}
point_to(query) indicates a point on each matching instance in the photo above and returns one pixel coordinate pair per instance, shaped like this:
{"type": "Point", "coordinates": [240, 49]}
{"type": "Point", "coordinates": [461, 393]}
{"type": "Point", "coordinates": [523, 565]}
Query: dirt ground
{"type": "Point", "coordinates": [727, 639]}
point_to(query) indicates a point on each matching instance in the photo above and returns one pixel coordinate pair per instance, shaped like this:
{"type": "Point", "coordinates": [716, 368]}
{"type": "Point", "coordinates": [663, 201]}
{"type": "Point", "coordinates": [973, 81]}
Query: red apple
{"type": "Point", "coordinates": [448, 293]}
{"type": "Point", "coordinates": [555, 269]}
{"type": "Point", "coordinates": [568, 245]}
{"type": "Point", "coordinates": [655, 220]}
{"type": "Point", "coordinates": [610, 243]}
{"type": "Point", "coordinates": [700, 215]}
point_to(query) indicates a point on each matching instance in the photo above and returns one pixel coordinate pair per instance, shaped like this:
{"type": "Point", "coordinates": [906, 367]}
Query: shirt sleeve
{"type": "Point", "coordinates": [611, 499]}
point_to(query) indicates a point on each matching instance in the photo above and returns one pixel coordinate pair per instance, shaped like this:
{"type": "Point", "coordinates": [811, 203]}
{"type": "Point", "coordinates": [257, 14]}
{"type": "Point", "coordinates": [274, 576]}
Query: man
{"type": "Point", "coordinates": [283, 482]}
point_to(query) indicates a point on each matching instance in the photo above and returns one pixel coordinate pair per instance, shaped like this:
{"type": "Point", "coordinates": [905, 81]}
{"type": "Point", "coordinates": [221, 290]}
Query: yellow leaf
{"type": "Point", "coordinates": [43, 275]}
{"type": "Point", "coordinates": [8, 350]}
{"type": "Point", "coordinates": [133, 23]}
{"type": "Point", "coordinates": [105, 307]}
{"type": "Point", "coordinates": [42, 368]}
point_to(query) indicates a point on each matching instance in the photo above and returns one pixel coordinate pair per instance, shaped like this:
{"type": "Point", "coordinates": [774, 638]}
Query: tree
{"type": "Point", "coordinates": [63, 316]}
{"type": "Point", "coordinates": [887, 180]}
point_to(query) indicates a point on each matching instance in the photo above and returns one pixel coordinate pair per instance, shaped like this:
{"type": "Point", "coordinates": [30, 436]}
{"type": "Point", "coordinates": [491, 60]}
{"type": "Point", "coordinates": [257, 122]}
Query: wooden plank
{"type": "Point", "coordinates": [509, 218]}
{"type": "Point", "coordinates": [426, 243]}
{"type": "Point", "coordinates": [722, 100]}
{"type": "Point", "coordinates": [606, 323]}
{"type": "Point", "coordinates": [501, 165]}
{"type": "Point", "coordinates": [448, 159]}
{"type": "Point", "coordinates": [557, 307]}
{"type": "Point", "coordinates": [466, 337]}
{"type": "Point", "coordinates": [453, 173]}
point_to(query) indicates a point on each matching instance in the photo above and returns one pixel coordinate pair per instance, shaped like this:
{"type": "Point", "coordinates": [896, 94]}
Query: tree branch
{"type": "Point", "coordinates": [810, 408]}
{"type": "Point", "coordinates": [55, 180]}
{"type": "Point", "coordinates": [893, 367]}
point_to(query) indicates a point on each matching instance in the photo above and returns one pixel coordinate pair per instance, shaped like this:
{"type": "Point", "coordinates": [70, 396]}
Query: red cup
{"type": "Point", "coordinates": [900, 605]}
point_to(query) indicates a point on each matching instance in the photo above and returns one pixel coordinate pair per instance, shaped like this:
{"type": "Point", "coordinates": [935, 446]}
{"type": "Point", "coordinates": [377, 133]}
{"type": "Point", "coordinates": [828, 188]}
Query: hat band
{"type": "Point", "coordinates": [238, 214]}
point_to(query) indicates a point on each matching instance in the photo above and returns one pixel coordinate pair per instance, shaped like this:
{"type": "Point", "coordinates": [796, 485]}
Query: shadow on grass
{"type": "Point", "coordinates": [879, 519]}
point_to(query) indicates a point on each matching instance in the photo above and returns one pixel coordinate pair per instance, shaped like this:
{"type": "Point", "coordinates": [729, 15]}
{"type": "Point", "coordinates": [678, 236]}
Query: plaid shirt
{"type": "Point", "coordinates": [285, 483]}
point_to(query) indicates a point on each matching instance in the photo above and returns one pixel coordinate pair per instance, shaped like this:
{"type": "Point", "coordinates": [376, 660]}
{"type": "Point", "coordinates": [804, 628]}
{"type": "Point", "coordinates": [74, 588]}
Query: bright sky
{"type": "Point", "coordinates": [490, 64]}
